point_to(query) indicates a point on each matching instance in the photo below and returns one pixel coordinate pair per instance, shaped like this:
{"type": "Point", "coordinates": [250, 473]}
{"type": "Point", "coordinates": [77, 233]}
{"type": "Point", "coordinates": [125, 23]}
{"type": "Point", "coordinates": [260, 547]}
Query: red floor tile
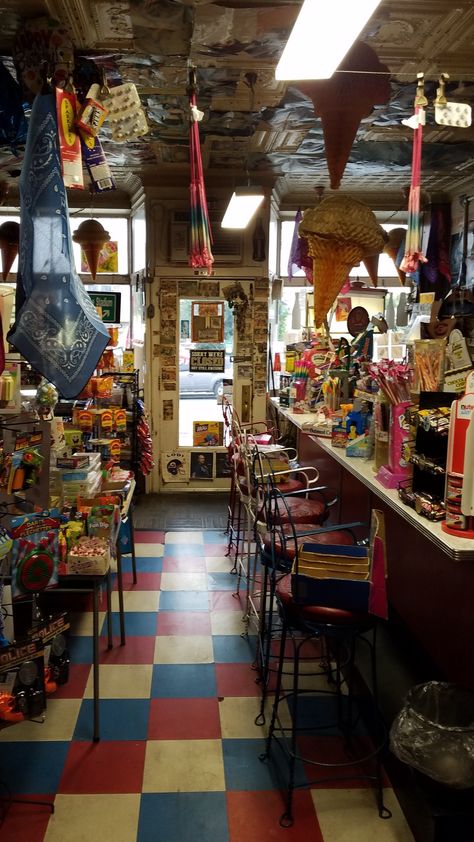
{"type": "Point", "coordinates": [105, 767]}
{"type": "Point", "coordinates": [26, 822]}
{"type": "Point", "coordinates": [183, 622]}
{"type": "Point", "coordinates": [217, 550]}
{"type": "Point", "coordinates": [137, 650]}
{"type": "Point", "coordinates": [331, 750]}
{"type": "Point", "coordinates": [184, 719]}
{"type": "Point", "coordinates": [226, 601]}
{"type": "Point", "coordinates": [254, 816]}
{"type": "Point", "coordinates": [146, 582]}
{"type": "Point", "coordinates": [149, 537]}
{"type": "Point", "coordinates": [236, 680]}
{"type": "Point", "coordinates": [191, 564]}
{"type": "Point", "coordinates": [74, 689]}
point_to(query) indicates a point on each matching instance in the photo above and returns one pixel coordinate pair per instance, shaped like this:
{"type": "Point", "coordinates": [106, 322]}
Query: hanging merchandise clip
{"type": "Point", "coordinates": [455, 114]}
{"type": "Point", "coordinates": [440, 92]}
{"type": "Point", "coordinates": [420, 98]}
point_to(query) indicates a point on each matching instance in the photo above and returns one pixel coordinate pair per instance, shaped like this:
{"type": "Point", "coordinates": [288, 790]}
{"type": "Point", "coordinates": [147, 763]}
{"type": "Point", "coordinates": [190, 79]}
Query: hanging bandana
{"type": "Point", "coordinates": [57, 329]}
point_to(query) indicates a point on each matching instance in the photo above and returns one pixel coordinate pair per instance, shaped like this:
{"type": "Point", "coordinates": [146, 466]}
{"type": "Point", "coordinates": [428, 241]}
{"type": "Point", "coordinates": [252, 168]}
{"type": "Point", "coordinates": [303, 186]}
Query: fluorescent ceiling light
{"type": "Point", "coordinates": [242, 206]}
{"type": "Point", "coordinates": [323, 33]}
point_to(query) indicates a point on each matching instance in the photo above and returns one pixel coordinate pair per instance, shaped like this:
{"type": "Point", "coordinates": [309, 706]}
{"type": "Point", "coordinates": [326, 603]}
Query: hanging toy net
{"type": "Point", "coordinates": [200, 240]}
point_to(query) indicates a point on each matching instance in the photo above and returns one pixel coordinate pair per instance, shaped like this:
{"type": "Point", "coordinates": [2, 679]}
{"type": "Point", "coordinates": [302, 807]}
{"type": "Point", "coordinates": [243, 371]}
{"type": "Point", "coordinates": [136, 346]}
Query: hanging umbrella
{"type": "Point", "coordinates": [200, 241]}
{"type": "Point", "coordinates": [413, 253]}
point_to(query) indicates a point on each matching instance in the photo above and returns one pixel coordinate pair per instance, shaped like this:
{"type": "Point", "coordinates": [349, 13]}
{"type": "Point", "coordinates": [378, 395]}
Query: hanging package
{"type": "Point", "coordinates": [57, 328]}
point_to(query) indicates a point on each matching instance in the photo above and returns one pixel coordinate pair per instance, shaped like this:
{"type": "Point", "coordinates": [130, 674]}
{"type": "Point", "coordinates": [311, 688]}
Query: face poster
{"type": "Point", "coordinates": [201, 465]}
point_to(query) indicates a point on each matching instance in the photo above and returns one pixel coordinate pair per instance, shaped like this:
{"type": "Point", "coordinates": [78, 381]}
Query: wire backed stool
{"type": "Point", "coordinates": [338, 631]}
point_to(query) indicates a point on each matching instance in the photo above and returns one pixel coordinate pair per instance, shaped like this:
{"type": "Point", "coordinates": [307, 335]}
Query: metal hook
{"type": "Point", "coordinates": [420, 99]}
{"type": "Point", "coordinates": [440, 92]}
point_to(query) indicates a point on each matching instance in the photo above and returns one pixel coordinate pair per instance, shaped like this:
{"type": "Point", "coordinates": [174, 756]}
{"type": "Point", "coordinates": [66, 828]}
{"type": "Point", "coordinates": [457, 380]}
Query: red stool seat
{"type": "Point", "coordinates": [336, 537]}
{"type": "Point", "coordinates": [317, 613]}
{"type": "Point", "coordinates": [302, 510]}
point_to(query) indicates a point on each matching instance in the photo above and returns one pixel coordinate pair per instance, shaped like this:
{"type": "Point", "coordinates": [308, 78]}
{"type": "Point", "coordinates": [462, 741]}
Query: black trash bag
{"type": "Point", "coordinates": [434, 733]}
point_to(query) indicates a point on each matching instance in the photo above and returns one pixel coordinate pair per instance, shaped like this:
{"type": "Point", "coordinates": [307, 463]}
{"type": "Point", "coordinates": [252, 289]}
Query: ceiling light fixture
{"type": "Point", "coordinates": [323, 33]}
{"type": "Point", "coordinates": [242, 206]}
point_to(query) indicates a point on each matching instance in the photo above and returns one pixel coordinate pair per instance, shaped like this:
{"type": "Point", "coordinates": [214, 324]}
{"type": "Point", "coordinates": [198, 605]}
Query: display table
{"type": "Point", "coordinates": [430, 573]}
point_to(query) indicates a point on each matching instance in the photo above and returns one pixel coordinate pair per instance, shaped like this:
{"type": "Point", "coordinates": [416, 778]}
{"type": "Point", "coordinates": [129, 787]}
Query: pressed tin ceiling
{"type": "Point", "coordinates": [253, 123]}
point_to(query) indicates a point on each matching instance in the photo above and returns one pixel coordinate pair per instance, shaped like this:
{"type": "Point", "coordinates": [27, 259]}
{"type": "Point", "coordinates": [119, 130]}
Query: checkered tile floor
{"type": "Point", "coordinates": [178, 756]}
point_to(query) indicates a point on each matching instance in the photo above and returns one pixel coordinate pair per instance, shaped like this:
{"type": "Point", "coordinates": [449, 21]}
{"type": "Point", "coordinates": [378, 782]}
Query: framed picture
{"type": "Point", "coordinates": [207, 323]}
{"type": "Point", "coordinates": [223, 466]}
{"type": "Point", "coordinates": [184, 329]}
{"type": "Point", "coordinates": [179, 242]}
{"type": "Point", "coordinates": [202, 465]}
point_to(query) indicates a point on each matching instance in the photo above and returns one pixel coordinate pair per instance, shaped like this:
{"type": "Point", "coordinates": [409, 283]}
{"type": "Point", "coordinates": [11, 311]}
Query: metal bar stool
{"type": "Point", "coordinates": [339, 630]}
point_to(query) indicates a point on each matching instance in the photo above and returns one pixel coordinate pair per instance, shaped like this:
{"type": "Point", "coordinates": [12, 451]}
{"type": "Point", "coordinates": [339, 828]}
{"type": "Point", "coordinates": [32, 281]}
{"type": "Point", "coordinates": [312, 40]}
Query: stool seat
{"type": "Point", "coordinates": [318, 613]}
{"type": "Point", "coordinates": [285, 487]}
{"type": "Point", "coordinates": [302, 510]}
{"type": "Point", "coordinates": [336, 537]}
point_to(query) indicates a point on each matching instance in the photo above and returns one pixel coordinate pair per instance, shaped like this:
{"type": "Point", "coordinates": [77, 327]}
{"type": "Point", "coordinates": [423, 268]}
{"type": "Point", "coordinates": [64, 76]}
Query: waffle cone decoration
{"type": "Point", "coordinates": [9, 242]}
{"type": "Point", "coordinates": [371, 263]}
{"type": "Point", "coordinates": [91, 236]}
{"type": "Point", "coordinates": [344, 100]}
{"type": "Point", "coordinates": [392, 247]}
{"type": "Point", "coordinates": [340, 232]}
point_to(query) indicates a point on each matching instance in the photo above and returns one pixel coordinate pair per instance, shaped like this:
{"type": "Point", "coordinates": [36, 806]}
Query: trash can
{"type": "Point", "coordinates": [434, 733]}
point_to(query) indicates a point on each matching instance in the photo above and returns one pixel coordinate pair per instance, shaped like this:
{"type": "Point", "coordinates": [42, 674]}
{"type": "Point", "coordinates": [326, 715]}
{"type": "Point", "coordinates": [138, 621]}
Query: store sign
{"type": "Point", "coordinates": [206, 361]}
{"type": "Point", "coordinates": [108, 305]}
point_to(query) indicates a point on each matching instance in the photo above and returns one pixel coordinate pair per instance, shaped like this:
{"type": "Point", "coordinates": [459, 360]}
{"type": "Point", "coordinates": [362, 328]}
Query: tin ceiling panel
{"type": "Point", "coordinates": [253, 123]}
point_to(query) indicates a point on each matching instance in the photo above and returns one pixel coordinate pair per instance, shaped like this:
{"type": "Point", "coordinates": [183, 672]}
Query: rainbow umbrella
{"type": "Point", "coordinates": [200, 240]}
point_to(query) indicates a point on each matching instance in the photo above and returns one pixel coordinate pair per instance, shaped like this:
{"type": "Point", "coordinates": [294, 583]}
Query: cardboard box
{"type": "Point", "coordinates": [208, 433]}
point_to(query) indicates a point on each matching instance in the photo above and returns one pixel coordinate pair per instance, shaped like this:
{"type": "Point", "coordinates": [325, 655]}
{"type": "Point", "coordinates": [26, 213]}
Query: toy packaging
{"type": "Point", "coordinates": [208, 433]}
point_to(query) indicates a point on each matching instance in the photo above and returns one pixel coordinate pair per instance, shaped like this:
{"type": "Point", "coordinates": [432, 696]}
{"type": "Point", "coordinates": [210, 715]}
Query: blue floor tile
{"type": "Point", "coordinates": [120, 719]}
{"type": "Point", "coordinates": [221, 581]}
{"type": "Point", "coordinates": [183, 817]}
{"type": "Point", "coordinates": [184, 550]}
{"type": "Point", "coordinates": [33, 766]}
{"type": "Point", "coordinates": [184, 601]}
{"type": "Point", "coordinates": [245, 771]}
{"type": "Point", "coordinates": [189, 681]}
{"type": "Point", "coordinates": [80, 649]}
{"type": "Point", "coordinates": [234, 649]}
{"type": "Point", "coordinates": [137, 624]}
{"type": "Point", "coordinates": [144, 565]}
{"type": "Point", "coordinates": [215, 537]}
{"type": "Point", "coordinates": [321, 711]}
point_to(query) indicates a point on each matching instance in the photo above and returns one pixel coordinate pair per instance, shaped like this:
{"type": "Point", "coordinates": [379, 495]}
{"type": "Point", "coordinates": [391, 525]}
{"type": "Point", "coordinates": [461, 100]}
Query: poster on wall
{"type": "Point", "coordinates": [207, 321]}
{"type": "Point", "coordinates": [223, 465]}
{"type": "Point", "coordinates": [202, 465]}
{"type": "Point", "coordinates": [175, 466]}
{"type": "Point", "coordinates": [108, 258]}
{"type": "Point", "coordinates": [206, 360]}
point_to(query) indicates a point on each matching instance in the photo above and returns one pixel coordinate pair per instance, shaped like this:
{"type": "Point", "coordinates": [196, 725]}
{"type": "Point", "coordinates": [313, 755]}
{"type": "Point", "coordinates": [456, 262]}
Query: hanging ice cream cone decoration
{"type": "Point", "coordinates": [91, 236]}
{"type": "Point", "coordinates": [395, 238]}
{"type": "Point", "coordinates": [9, 240]}
{"type": "Point", "coordinates": [371, 263]}
{"type": "Point", "coordinates": [340, 232]}
{"type": "Point", "coordinates": [344, 100]}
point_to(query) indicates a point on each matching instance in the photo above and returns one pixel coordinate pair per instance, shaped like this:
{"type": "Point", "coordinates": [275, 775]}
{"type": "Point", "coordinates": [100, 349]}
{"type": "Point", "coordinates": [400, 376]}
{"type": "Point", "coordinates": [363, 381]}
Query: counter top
{"type": "Point", "coordinates": [459, 549]}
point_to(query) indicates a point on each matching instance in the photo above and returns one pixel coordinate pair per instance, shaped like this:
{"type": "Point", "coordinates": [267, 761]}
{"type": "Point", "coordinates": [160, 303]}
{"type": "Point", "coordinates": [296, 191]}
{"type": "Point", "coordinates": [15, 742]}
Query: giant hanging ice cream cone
{"type": "Point", "coordinates": [340, 232]}
{"type": "Point", "coordinates": [9, 240]}
{"type": "Point", "coordinates": [395, 238]}
{"type": "Point", "coordinates": [91, 236]}
{"type": "Point", "coordinates": [344, 100]}
{"type": "Point", "coordinates": [371, 263]}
